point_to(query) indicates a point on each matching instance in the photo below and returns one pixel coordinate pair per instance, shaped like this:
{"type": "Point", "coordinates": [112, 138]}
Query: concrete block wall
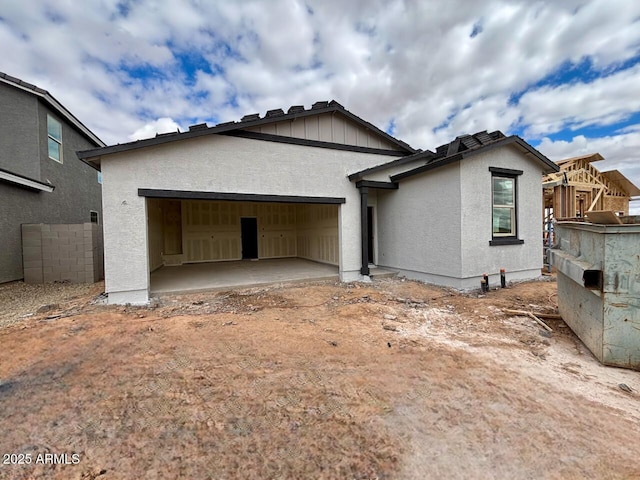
{"type": "Point", "coordinates": [58, 252]}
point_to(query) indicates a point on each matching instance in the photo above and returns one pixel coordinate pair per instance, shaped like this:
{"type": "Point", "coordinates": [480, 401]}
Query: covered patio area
{"type": "Point", "coordinates": [242, 273]}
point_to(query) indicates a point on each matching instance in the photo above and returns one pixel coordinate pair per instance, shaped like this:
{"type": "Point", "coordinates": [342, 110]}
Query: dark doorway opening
{"type": "Point", "coordinates": [370, 233]}
{"type": "Point", "coordinates": [249, 232]}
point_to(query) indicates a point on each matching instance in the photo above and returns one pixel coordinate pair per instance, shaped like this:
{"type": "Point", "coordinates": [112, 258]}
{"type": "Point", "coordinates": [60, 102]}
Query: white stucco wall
{"type": "Point", "coordinates": [478, 257]}
{"type": "Point", "coordinates": [419, 226]}
{"type": "Point", "coordinates": [219, 164]}
{"type": "Point", "coordinates": [437, 226]}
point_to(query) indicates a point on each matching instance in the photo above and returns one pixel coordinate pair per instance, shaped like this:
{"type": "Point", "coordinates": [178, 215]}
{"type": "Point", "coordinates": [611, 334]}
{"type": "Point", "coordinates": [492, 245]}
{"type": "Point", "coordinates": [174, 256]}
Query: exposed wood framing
{"type": "Point", "coordinates": [579, 187]}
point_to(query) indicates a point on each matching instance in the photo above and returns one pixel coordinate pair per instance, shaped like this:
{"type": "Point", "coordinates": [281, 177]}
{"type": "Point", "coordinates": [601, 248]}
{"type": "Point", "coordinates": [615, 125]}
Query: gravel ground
{"type": "Point", "coordinates": [19, 300]}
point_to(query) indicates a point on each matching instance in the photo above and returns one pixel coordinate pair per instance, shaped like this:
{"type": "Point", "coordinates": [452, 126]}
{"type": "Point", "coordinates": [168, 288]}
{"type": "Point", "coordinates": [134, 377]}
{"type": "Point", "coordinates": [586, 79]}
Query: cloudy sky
{"type": "Point", "coordinates": [563, 74]}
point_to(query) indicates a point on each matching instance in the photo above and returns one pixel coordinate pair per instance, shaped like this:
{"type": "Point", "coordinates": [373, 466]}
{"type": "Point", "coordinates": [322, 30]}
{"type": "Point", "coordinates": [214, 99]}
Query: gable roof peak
{"type": "Point", "coordinates": [252, 120]}
{"type": "Point", "coordinates": [54, 104]}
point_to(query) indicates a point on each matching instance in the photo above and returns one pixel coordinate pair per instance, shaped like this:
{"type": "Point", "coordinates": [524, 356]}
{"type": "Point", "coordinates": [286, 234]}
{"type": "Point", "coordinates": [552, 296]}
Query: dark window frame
{"type": "Point", "coordinates": [506, 239]}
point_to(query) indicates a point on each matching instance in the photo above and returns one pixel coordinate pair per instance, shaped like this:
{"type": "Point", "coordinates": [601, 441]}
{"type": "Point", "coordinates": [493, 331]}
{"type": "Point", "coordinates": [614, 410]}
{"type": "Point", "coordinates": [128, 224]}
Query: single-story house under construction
{"type": "Point", "coordinates": [320, 184]}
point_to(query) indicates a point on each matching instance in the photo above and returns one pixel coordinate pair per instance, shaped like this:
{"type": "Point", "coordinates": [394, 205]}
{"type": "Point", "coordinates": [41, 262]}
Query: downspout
{"type": "Point", "coordinates": [364, 227]}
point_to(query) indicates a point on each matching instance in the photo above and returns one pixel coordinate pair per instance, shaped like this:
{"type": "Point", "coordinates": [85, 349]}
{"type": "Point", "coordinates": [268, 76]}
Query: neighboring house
{"type": "Point", "coordinates": [41, 178]}
{"type": "Point", "coordinates": [580, 187]}
{"type": "Point", "coordinates": [324, 185]}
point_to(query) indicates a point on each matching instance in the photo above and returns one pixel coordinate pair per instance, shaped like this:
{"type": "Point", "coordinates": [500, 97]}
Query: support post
{"type": "Point", "coordinates": [364, 225]}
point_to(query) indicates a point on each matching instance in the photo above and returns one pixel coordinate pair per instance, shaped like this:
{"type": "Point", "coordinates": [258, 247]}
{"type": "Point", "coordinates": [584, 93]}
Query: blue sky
{"type": "Point", "coordinates": [563, 74]}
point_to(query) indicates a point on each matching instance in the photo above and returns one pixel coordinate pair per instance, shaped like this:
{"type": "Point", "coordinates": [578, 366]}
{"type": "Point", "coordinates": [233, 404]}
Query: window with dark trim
{"type": "Point", "coordinates": [504, 206]}
{"type": "Point", "coordinates": [94, 216]}
{"type": "Point", "coordinates": [54, 138]}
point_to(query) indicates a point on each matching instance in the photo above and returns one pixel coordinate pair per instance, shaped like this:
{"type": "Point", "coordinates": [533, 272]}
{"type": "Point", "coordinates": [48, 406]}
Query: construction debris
{"type": "Point", "coordinates": [625, 387]}
{"type": "Point", "coordinates": [531, 315]}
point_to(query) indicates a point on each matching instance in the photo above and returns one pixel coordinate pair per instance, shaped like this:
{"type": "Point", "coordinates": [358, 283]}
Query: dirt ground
{"type": "Point", "coordinates": [393, 379]}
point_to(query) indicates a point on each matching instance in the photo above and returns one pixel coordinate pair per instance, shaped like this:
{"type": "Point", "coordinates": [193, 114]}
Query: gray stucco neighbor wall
{"type": "Point", "coordinates": [23, 150]}
{"type": "Point", "coordinates": [19, 132]}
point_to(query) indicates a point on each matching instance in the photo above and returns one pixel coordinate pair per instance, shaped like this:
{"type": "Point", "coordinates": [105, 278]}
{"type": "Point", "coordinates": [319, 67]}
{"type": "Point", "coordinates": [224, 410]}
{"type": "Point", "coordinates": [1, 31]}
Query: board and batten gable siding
{"type": "Point", "coordinates": [217, 163]}
{"type": "Point", "coordinates": [327, 127]}
{"type": "Point", "coordinates": [419, 226]}
{"type": "Point", "coordinates": [478, 257]}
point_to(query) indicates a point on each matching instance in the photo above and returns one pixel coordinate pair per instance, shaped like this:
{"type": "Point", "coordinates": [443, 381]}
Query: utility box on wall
{"type": "Point", "coordinates": [599, 288]}
{"type": "Point", "coordinates": [62, 252]}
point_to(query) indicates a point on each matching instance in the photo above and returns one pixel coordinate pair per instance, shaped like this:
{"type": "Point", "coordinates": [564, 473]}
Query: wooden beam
{"type": "Point", "coordinates": [595, 200]}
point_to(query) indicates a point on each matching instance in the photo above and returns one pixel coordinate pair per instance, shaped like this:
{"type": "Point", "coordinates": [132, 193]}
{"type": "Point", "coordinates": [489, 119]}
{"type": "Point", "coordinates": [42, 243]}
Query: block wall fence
{"type": "Point", "coordinates": [62, 252]}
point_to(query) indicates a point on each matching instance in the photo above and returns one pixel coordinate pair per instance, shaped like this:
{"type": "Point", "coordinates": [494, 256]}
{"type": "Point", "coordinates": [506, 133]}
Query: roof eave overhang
{"type": "Point", "coordinates": [25, 182]}
{"type": "Point", "coordinates": [549, 166]}
{"type": "Point", "coordinates": [360, 175]}
{"type": "Point", "coordinates": [234, 126]}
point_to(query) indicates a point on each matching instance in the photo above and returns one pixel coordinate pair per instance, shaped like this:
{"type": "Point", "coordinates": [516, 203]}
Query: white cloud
{"type": "Point", "coordinates": [620, 152]}
{"type": "Point", "coordinates": [604, 101]}
{"type": "Point", "coordinates": [415, 63]}
{"type": "Point", "coordinates": [149, 130]}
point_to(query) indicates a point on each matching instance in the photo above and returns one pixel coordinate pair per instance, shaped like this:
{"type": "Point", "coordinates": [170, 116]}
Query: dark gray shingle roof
{"type": "Point", "coordinates": [461, 147]}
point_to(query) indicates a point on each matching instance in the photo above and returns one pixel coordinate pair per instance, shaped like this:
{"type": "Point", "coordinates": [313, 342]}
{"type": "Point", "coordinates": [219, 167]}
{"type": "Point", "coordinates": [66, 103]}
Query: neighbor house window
{"type": "Point", "coordinates": [94, 216]}
{"type": "Point", "coordinates": [100, 178]}
{"type": "Point", "coordinates": [54, 133]}
{"type": "Point", "coordinates": [504, 206]}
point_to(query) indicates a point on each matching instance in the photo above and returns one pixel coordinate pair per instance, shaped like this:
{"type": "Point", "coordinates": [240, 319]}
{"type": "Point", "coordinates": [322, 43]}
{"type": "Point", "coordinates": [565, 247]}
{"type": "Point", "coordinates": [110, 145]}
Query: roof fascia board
{"type": "Point", "coordinates": [310, 143]}
{"type": "Point", "coordinates": [147, 142]}
{"type": "Point", "coordinates": [237, 197]}
{"type": "Point", "coordinates": [376, 184]}
{"type": "Point", "coordinates": [427, 167]}
{"type": "Point", "coordinates": [552, 167]}
{"type": "Point", "coordinates": [25, 182]}
{"type": "Point", "coordinates": [235, 126]}
{"type": "Point", "coordinates": [394, 163]}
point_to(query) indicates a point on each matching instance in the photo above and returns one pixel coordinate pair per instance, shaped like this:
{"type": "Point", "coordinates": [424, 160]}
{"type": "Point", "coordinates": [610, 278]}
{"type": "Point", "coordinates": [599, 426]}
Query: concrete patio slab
{"type": "Point", "coordinates": [243, 273]}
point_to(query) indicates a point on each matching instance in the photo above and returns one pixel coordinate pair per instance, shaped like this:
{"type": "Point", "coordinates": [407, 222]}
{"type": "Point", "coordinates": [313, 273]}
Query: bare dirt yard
{"type": "Point", "coordinates": [393, 379]}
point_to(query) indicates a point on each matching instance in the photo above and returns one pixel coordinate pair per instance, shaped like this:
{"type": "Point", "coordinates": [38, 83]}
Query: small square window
{"type": "Point", "coordinates": [94, 216]}
{"type": "Point", "coordinates": [54, 141]}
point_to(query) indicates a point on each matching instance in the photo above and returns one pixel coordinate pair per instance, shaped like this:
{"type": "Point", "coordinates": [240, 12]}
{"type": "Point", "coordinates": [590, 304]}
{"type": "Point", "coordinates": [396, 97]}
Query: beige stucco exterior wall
{"type": "Point", "coordinates": [219, 164]}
